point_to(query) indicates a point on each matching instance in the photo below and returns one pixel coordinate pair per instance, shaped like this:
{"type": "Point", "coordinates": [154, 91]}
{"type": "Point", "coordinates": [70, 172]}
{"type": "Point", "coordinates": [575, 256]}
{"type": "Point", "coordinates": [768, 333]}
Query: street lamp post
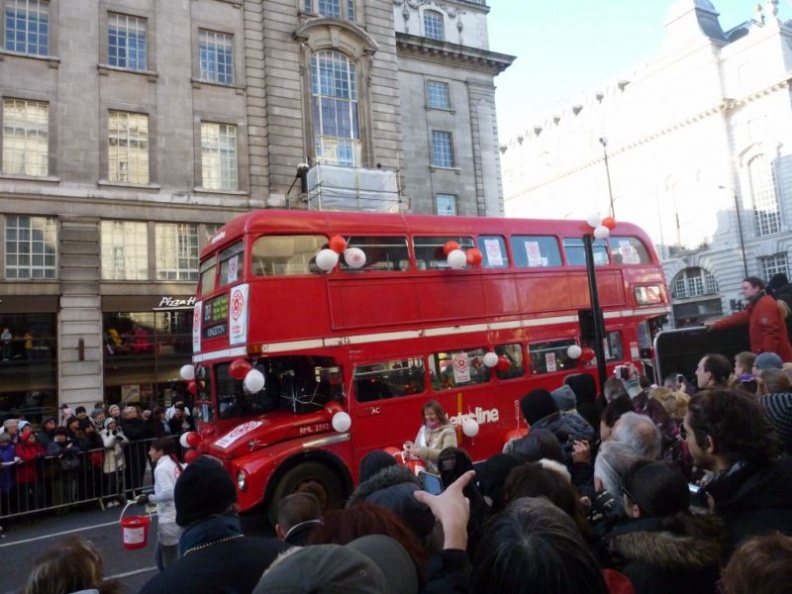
{"type": "Point", "coordinates": [604, 144]}
{"type": "Point", "coordinates": [596, 311]}
{"type": "Point", "coordinates": [740, 235]}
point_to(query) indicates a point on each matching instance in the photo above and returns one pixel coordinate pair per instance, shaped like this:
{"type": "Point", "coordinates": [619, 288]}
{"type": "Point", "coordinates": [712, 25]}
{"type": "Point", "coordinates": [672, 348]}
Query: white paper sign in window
{"type": "Point", "coordinates": [494, 255]}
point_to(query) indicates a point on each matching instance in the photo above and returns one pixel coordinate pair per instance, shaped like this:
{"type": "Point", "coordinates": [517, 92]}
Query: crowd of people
{"type": "Point", "coordinates": [681, 487]}
{"type": "Point", "coordinates": [81, 457]}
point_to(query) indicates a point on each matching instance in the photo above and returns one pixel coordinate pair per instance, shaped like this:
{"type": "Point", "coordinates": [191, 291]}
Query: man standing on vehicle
{"type": "Point", "coordinates": [766, 326]}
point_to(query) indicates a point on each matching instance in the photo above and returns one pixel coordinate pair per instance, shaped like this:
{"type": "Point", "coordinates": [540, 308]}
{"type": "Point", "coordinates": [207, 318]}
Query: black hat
{"type": "Point", "coordinates": [537, 404]}
{"type": "Point", "coordinates": [204, 489]}
{"type": "Point", "coordinates": [62, 431]}
{"type": "Point", "coordinates": [373, 462]}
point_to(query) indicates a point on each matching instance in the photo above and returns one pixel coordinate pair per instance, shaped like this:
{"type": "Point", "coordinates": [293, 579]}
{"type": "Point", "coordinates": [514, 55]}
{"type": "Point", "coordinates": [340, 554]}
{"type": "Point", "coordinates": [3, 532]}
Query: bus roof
{"type": "Point", "coordinates": [280, 221]}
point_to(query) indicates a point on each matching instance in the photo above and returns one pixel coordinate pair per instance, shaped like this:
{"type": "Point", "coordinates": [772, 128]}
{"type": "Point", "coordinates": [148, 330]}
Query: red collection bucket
{"type": "Point", "coordinates": [134, 530]}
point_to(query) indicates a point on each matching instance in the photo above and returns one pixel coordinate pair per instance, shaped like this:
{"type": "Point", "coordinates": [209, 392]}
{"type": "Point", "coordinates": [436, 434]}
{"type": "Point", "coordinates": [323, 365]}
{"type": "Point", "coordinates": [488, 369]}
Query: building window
{"type": "Point", "coordinates": [331, 8]}
{"type": "Point", "coordinates": [126, 42]}
{"type": "Point", "coordinates": [437, 95]}
{"type": "Point", "coordinates": [433, 25]}
{"type": "Point", "coordinates": [693, 282]}
{"type": "Point", "coordinates": [334, 106]}
{"type": "Point", "coordinates": [219, 156]}
{"type": "Point", "coordinates": [765, 202]}
{"type": "Point", "coordinates": [25, 137]}
{"type": "Point", "coordinates": [776, 264]}
{"type": "Point", "coordinates": [216, 51]}
{"type": "Point", "coordinates": [442, 149]}
{"type": "Point", "coordinates": [124, 250]}
{"type": "Point", "coordinates": [177, 252]}
{"type": "Point", "coordinates": [446, 204]}
{"type": "Point", "coordinates": [27, 27]}
{"type": "Point", "coordinates": [128, 147]}
{"type": "Point", "coordinates": [30, 247]}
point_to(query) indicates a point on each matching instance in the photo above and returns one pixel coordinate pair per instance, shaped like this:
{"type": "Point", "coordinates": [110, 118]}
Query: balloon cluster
{"type": "Point", "coordinates": [602, 227]}
{"type": "Point", "coordinates": [252, 379]}
{"type": "Point", "coordinates": [187, 373]}
{"type": "Point", "coordinates": [458, 258]}
{"type": "Point", "coordinates": [327, 259]}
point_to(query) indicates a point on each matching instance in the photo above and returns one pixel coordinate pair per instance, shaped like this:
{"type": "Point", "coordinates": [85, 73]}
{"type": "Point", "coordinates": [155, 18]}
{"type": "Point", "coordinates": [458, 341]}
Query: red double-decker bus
{"type": "Point", "coordinates": [376, 337]}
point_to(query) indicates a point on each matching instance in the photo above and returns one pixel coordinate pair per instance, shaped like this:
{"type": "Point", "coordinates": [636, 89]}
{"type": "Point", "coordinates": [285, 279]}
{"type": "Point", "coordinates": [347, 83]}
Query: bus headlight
{"type": "Point", "coordinates": [648, 295]}
{"type": "Point", "coordinates": [241, 480]}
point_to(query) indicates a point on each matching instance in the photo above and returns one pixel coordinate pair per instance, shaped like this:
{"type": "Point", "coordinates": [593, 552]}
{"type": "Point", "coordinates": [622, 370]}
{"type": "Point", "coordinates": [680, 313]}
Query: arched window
{"type": "Point", "coordinates": [765, 201]}
{"type": "Point", "coordinates": [693, 282]}
{"type": "Point", "coordinates": [334, 109]}
{"type": "Point", "coordinates": [433, 25]}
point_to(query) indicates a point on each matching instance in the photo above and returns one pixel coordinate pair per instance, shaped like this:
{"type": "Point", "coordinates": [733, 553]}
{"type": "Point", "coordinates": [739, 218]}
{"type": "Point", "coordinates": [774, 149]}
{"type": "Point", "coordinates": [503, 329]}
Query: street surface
{"type": "Point", "coordinates": [24, 539]}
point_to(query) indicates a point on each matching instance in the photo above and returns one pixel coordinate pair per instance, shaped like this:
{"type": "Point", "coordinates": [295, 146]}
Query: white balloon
{"type": "Point", "coordinates": [491, 359]}
{"type": "Point", "coordinates": [342, 422]}
{"type": "Point", "coordinates": [187, 373]}
{"type": "Point", "coordinates": [594, 219]}
{"type": "Point", "coordinates": [326, 259]}
{"type": "Point", "coordinates": [457, 259]}
{"type": "Point", "coordinates": [183, 441]}
{"type": "Point", "coordinates": [574, 352]}
{"type": "Point", "coordinates": [355, 257]}
{"type": "Point", "coordinates": [601, 232]}
{"type": "Point", "coordinates": [470, 427]}
{"type": "Point", "coordinates": [254, 381]}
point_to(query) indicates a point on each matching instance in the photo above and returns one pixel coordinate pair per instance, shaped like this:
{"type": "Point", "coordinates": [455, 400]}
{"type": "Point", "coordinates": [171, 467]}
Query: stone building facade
{"type": "Point", "coordinates": [692, 145]}
{"type": "Point", "coordinates": [132, 129]}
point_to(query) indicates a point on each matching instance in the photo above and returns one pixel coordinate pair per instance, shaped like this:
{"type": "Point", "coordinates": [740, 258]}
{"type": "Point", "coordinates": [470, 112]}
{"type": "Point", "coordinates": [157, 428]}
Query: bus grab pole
{"type": "Point", "coordinates": [599, 325]}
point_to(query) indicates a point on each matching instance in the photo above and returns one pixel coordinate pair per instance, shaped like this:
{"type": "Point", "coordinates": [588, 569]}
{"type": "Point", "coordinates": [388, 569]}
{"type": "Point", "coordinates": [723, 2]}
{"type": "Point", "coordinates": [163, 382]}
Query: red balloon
{"type": "Point", "coordinates": [503, 363]}
{"type": "Point", "coordinates": [192, 388]}
{"type": "Point", "coordinates": [587, 354]}
{"type": "Point", "coordinates": [609, 222]}
{"type": "Point", "coordinates": [474, 256]}
{"type": "Point", "coordinates": [193, 439]}
{"type": "Point", "coordinates": [338, 244]}
{"type": "Point", "coordinates": [450, 246]}
{"type": "Point", "coordinates": [191, 456]}
{"type": "Point", "coordinates": [239, 369]}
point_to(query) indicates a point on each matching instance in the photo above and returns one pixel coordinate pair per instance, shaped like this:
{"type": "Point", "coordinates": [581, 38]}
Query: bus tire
{"type": "Point", "coordinates": [313, 477]}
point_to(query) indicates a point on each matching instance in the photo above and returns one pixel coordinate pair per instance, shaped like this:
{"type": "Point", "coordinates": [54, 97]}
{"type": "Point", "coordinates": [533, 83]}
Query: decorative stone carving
{"type": "Point", "coordinates": [398, 2]}
{"type": "Point", "coordinates": [414, 3]}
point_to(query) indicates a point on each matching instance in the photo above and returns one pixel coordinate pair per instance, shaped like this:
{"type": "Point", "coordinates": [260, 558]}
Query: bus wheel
{"type": "Point", "coordinates": [311, 477]}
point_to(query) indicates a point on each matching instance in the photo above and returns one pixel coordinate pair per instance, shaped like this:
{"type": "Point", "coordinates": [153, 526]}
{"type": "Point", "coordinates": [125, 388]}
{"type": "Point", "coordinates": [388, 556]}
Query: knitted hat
{"type": "Point", "coordinates": [96, 412]}
{"type": "Point", "coordinates": [204, 489]}
{"type": "Point", "coordinates": [537, 404]}
{"type": "Point", "coordinates": [108, 421]}
{"type": "Point", "coordinates": [778, 411]}
{"type": "Point", "coordinates": [768, 361]}
{"type": "Point", "coordinates": [565, 398]}
{"type": "Point", "coordinates": [401, 500]}
{"type": "Point", "coordinates": [62, 431]}
{"type": "Point", "coordinates": [375, 461]}
{"type": "Point", "coordinates": [583, 385]}
{"type": "Point", "coordinates": [375, 564]}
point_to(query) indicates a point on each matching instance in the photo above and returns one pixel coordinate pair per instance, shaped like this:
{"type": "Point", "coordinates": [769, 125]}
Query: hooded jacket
{"type": "Point", "coordinates": [659, 560]}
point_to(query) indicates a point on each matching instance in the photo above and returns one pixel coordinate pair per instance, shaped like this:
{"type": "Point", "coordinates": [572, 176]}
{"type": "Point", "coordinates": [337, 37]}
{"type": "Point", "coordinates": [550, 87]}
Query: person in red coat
{"type": "Point", "coordinates": [765, 318]}
{"type": "Point", "coordinates": [31, 491]}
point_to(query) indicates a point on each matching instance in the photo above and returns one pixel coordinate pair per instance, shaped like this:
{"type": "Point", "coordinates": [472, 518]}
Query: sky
{"type": "Point", "coordinates": [566, 47]}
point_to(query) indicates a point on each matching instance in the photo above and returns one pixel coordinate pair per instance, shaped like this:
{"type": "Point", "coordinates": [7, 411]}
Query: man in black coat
{"type": "Point", "coordinates": [781, 289]}
{"type": "Point", "coordinates": [727, 433]}
{"type": "Point", "coordinates": [216, 556]}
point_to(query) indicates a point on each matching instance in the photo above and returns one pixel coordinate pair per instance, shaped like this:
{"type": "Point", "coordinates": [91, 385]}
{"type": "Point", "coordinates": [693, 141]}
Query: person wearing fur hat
{"type": "Point", "coordinates": [216, 555]}
{"type": "Point", "coordinates": [436, 434]}
{"type": "Point", "coordinates": [113, 464]}
{"type": "Point", "coordinates": [661, 546]}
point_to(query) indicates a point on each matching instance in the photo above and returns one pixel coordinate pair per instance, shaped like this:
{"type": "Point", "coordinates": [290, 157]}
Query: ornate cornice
{"type": "Point", "coordinates": [430, 50]}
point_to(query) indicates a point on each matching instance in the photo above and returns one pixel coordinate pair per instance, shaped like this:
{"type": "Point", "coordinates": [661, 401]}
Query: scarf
{"type": "Point", "coordinates": [208, 531]}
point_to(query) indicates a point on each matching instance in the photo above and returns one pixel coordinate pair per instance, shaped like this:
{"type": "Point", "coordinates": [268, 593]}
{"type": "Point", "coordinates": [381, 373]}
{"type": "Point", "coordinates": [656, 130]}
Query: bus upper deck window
{"type": "Point", "coordinates": [383, 254]}
{"type": "Point", "coordinates": [429, 254]}
{"type": "Point", "coordinates": [285, 255]}
{"type": "Point", "coordinates": [534, 251]}
{"type": "Point", "coordinates": [208, 275]}
{"type": "Point", "coordinates": [628, 250]}
{"type": "Point", "coordinates": [576, 255]}
{"type": "Point", "coordinates": [493, 250]}
{"type": "Point", "coordinates": [231, 264]}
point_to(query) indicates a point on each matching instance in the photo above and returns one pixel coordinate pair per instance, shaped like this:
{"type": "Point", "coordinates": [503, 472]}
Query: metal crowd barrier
{"type": "Point", "coordinates": [59, 488]}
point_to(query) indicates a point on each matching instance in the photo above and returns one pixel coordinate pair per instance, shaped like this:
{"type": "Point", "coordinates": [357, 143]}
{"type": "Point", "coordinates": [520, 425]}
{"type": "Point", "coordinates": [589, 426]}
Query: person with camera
{"type": "Point", "coordinates": [113, 464]}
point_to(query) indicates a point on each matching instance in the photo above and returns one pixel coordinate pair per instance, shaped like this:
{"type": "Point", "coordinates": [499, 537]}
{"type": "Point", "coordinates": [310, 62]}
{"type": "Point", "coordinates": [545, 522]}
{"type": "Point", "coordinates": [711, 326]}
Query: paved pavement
{"type": "Point", "coordinates": [24, 539]}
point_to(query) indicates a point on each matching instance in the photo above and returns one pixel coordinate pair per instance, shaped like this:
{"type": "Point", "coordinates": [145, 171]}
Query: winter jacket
{"type": "Point", "coordinates": [67, 453]}
{"type": "Point", "coordinates": [7, 455]}
{"type": "Point", "coordinates": [430, 442]}
{"type": "Point", "coordinates": [114, 453]}
{"type": "Point", "coordinates": [566, 426]}
{"type": "Point", "coordinates": [659, 560]}
{"type": "Point", "coordinates": [165, 474]}
{"type": "Point", "coordinates": [766, 326]}
{"type": "Point", "coordinates": [754, 501]}
{"type": "Point", "coordinates": [29, 454]}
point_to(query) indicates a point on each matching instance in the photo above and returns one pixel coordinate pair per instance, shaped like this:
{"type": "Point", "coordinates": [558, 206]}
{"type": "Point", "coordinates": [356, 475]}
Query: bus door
{"type": "Point", "coordinates": [679, 351]}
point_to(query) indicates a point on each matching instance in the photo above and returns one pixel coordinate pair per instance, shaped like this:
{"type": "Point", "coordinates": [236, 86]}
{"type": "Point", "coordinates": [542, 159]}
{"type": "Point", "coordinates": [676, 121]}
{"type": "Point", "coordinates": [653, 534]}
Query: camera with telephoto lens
{"type": "Point", "coordinates": [603, 507]}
